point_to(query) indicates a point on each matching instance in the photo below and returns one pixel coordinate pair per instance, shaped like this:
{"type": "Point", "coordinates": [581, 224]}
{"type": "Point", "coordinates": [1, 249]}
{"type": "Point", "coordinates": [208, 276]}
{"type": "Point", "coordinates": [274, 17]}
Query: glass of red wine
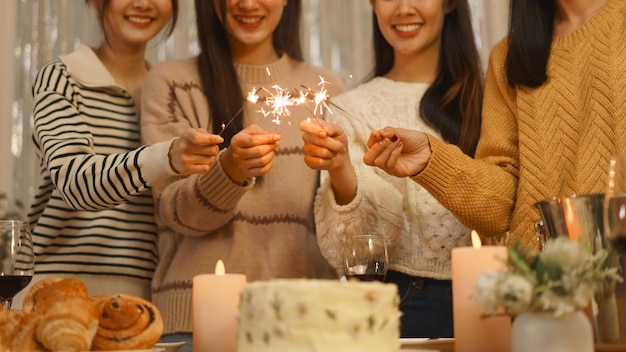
{"type": "Point", "coordinates": [365, 257]}
{"type": "Point", "coordinates": [17, 260]}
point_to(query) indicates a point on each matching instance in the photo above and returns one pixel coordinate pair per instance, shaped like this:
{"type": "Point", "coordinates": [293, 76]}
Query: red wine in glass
{"type": "Point", "coordinates": [17, 259]}
{"type": "Point", "coordinates": [365, 258]}
{"type": "Point", "coordinates": [375, 272]}
{"type": "Point", "coordinates": [369, 277]}
{"type": "Point", "coordinates": [10, 285]}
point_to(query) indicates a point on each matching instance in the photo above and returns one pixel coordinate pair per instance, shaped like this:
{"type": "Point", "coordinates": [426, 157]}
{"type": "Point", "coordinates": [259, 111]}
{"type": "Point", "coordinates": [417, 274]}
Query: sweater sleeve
{"type": "Point", "coordinates": [191, 205]}
{"type": "Point", "coordinates": [481, 192]}
{"type": "Point", "coordinates": [377, 207]}
{"type": "Point", "coordinates": [67, 146]}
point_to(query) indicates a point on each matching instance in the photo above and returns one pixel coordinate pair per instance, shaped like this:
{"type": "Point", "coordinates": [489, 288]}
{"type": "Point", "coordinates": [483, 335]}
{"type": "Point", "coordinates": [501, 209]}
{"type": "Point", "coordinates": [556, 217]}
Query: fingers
{"type": "Point", "coordinates": [390, 133]}
{"type": "Point", "coordinates": [253, 136]}
{"type": "Point", "coordinates": [194, 151]}
{"type": "Point", "coordinates": [313, 126]}
{"type": "Point", "coordinates": [380, 152]}
{"type": "Point", "coordinates": [201, 137]}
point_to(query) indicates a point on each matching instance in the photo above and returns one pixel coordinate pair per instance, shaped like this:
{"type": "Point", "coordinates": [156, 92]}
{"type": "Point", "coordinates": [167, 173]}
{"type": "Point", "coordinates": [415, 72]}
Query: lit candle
{"type": "Point", "coordinates": [216, 310]}
{"type": "Point", "coordinates": [473, 331]}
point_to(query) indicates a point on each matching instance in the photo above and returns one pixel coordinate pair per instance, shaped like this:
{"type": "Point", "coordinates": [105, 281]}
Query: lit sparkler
{"type": "Point", "coordinates": [278, 103]}
{"type": "Point", "coordinates": [322, 102]}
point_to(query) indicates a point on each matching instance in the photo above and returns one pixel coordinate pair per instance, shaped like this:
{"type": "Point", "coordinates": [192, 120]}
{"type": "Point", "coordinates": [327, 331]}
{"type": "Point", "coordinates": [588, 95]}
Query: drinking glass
{"type": "Point", "coordinates": [610, 298]}
{"type": "Point", "coordinates": [615, 204]}
{"type": "Point", "coordinates": [365, 257]}
{"type": "Point", "coordinates": [17, 260]}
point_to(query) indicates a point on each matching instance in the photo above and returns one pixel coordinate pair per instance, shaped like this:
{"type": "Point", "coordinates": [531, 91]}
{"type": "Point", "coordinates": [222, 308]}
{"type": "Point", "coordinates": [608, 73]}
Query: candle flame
{"type": "Point", "coordinates": [476, 239]}
{"type": "Point", "coordinates": [219, 268]}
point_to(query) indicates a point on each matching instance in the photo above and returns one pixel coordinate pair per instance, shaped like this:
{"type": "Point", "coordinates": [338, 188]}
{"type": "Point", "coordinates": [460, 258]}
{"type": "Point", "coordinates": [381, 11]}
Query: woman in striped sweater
{"type": "Point", "coordinates": [92, 217]}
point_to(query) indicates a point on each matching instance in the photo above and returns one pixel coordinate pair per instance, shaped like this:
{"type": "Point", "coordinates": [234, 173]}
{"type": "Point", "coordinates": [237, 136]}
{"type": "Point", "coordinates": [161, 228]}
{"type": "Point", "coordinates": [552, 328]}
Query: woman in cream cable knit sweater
{"type": "Point", "coordinates": [553, 115]}
{"type": "Point", "coordinates": [428, 77]}
{"type": "Point", "coordinates": [254, 208]}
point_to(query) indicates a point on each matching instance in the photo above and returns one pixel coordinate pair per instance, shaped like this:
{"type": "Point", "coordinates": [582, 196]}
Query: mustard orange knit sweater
{"type": "Point", "coordinates": [539, 143]}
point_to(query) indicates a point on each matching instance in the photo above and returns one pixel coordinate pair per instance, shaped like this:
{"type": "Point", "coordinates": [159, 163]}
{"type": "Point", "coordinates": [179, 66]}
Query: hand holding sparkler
{"type": "Point", "coordinates": [194, 151]}
{"type": "Point", "coordinates": [398, 151]}
{"type": "Point", "coordinates": [326, 148]}
{"type": "Point", "coordinates": [250, 153]}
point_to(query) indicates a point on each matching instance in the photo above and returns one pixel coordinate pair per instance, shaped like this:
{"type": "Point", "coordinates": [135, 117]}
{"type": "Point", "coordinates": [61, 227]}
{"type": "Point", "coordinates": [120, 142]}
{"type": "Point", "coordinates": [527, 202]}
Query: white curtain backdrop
{"type": "Point", "coordinates": [336, 34]}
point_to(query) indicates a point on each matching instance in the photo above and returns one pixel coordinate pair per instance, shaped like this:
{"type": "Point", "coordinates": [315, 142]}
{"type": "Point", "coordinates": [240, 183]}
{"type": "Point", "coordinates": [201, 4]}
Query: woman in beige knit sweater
{"type": "Point", "coordinates": [254, 208]}
{"type": "Point", "coordinates": [553, 115]}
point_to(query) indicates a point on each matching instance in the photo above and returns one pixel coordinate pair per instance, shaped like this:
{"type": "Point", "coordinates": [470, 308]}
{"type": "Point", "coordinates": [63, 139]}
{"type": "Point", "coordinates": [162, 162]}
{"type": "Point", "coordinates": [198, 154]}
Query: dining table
{"type": "Point", "coordinates": [448, 345]}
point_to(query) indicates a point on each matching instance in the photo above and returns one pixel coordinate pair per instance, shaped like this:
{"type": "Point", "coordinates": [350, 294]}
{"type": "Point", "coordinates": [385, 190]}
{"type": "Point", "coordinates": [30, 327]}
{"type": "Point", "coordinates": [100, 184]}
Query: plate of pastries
{"type": "Point", "coordinates": [59, 315]}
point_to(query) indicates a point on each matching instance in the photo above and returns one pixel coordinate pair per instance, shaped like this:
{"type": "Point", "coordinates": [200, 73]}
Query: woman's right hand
{"type": "Point", "coordinates": [398, 151]}
{"type": "Point", "coordinates": [250, 153]}
{"type": "Point", "coordinates": [326, 148]}
{"type": "Point", "coordinates": [325, 145]}
{"type": "Point", "coordinates": [194, 151]}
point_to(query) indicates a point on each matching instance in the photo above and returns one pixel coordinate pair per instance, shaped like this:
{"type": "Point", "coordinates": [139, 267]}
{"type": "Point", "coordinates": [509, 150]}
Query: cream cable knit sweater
{"type": "Point", "coordinates": [420, 232]}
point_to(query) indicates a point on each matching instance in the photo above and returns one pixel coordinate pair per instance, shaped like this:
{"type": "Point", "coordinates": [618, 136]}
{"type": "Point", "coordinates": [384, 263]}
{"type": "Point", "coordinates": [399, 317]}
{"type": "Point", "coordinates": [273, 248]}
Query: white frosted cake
{"type": "Point", "coordinates": [319, 316]}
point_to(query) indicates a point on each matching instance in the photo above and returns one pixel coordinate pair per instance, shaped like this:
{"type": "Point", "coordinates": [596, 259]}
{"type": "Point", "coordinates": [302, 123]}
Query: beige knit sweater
{"type": "Point", "coordinates": [264, 230]}
{"type": "Point", "coordinates": [539, 143]}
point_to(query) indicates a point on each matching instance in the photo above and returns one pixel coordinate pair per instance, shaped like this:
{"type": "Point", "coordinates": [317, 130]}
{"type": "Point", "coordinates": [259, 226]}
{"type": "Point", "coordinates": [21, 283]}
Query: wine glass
{"type": "Point", "coordinates": [17, 260]}
{"type": "Point", "coordinates": [611, 297]}
{"type": "Point", "coordinates": [365, 257]}
{"type": "Point", "coordinates": [615, 204]}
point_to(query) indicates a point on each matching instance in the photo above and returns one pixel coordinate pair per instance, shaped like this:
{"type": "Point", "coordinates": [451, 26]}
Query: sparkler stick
{"type": "Point", "coordinates": [252, 98]}
{"type": "Point", "coordinates": [322, 99]}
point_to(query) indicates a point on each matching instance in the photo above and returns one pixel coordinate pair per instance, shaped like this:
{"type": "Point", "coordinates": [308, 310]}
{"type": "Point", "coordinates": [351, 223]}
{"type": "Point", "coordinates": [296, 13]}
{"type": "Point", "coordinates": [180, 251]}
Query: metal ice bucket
{"type": "Point", "coordinates": [578, 216]}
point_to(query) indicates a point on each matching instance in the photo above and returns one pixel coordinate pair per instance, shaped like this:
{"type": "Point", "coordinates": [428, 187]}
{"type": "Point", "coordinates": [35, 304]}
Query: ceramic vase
{"type": "Point", "coordinates": [542, 331]}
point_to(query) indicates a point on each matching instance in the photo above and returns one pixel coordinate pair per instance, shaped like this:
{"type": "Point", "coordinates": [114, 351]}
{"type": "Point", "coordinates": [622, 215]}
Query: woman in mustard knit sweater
{"type": "Point", "coordinates": [553, 115]}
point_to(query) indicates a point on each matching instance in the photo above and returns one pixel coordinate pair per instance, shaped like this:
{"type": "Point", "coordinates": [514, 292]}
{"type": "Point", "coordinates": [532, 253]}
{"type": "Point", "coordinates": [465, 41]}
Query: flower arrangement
{"type": "Point", "coordinates": [561, 279]}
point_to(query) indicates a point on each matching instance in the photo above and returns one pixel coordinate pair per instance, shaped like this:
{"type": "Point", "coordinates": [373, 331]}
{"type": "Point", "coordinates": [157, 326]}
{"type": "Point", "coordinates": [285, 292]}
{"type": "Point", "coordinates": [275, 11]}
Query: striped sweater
{"type": "Point", "coordinates": [554, 140]}
{"type": "Point", "coordinates": [265, 229]}
{"type": "Point", "coordinates": [92, 216]}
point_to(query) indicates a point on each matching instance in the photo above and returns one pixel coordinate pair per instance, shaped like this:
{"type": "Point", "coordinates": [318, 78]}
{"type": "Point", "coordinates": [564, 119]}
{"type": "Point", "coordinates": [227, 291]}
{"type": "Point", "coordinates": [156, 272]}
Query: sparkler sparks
{"type": "Point", "coordinates": [278, 103]}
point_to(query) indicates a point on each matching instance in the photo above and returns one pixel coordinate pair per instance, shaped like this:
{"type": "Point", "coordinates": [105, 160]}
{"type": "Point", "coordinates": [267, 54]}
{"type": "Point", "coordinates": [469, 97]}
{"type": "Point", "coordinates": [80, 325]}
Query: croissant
{"type": "Point", "coordinates": [126, 322]}
{"type": "Point", "coordinates": [68, 319]}
{"type": "Point", "coordinates": [18, 331]}
{"type": "Point", "coordinates": [51, 290]}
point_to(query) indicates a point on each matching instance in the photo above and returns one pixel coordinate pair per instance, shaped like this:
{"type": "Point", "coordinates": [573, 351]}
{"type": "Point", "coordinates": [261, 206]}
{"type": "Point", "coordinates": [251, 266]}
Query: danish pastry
{"type": "Point", "coordinates": [126, 322]}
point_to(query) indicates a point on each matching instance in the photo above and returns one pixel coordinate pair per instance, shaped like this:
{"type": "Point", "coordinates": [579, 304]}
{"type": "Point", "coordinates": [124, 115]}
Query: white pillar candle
{"type": "Point", "coordinates": [216, 300]}
{"type": "Point", "coordinates": [473, 331]}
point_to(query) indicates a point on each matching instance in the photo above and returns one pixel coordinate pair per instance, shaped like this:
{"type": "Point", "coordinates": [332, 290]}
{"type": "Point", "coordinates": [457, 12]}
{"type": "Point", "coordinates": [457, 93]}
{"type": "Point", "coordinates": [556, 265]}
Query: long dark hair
{"type": "Point", "coordinates": [215, 63]}
{"type": "Point", "coordinates": [531, 27]}
{"type": "Point", "coordinates": [102, 6]}
{"type": "Point", "coordinates": [453, 103]}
